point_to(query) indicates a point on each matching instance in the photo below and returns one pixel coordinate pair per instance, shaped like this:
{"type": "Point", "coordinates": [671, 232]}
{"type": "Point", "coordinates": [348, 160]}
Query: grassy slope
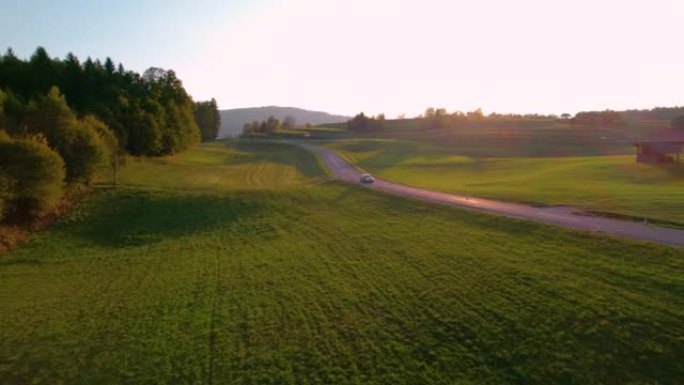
{"type": "Point", "coordinates": [520, 137]}
{"type": "Point", "coordinates": [614, 183]}
{"type": "Point", "coordinates": [247, 166]}
{"type": "Point", "coordinates": [325, 283]}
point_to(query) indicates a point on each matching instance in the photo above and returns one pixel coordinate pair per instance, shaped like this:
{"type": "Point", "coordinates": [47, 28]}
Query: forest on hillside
{"type": "Point", "coordinates": [62, 122]}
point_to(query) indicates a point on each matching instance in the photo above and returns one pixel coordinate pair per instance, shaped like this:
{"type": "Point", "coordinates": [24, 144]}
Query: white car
{"type": "Point", "coordinates": [367, 178]}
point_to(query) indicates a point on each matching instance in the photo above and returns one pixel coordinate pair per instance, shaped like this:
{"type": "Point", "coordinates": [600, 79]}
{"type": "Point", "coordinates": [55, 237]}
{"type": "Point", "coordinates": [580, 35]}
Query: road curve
{"type": "Point", "coordinates": [561, 216]}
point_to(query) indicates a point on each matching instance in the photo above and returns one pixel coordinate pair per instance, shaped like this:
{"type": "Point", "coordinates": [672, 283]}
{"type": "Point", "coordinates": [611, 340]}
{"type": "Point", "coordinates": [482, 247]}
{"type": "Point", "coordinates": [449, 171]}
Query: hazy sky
{"type": "Point", "coordinates": [548, 56]}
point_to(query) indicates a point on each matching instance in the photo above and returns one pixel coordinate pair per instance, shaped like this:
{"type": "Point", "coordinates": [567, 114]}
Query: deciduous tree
{"type": "Point", "coordinates": [208, 119]}
{"type": "Point", "coordinates": [35, 174]}
{"type": "Point", "coordinates": [289, 122]}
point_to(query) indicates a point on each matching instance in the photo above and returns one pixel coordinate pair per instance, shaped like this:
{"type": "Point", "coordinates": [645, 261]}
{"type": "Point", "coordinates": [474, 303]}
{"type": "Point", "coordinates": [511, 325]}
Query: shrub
{"type": "Point", "coordinates": [82, 150]}
{"type": "Point", "coordinates": [34, 174]}
{"type": "Point", "coordinates": [107, 138]}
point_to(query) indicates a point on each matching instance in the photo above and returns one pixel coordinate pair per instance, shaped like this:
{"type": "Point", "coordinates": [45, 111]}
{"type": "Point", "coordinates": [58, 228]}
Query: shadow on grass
{"type": "Point", "coordinates": [24, 261]}
{"type": "Point", "coordinates": [676, 170]}
{"type": "Point", "coordinates": [120, 218]}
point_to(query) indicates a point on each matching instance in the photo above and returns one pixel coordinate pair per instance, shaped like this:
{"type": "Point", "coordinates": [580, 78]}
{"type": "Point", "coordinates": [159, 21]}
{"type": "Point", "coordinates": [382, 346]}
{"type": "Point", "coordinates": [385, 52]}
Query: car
{"type": "Point", "coordinates": [367, 178]}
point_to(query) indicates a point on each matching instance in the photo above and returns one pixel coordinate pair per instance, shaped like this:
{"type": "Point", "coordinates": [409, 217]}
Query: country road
{"type": "Point", "coordinates": [558, 215]}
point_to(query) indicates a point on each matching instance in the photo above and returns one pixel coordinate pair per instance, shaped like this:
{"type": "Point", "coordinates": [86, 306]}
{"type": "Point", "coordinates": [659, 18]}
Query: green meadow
{"type": "Point", "coordinates": [612, 183]}
{"type": "Point", "coordinates": [244, 166]}
{"type": "Point", "coordinates": [242, 263]}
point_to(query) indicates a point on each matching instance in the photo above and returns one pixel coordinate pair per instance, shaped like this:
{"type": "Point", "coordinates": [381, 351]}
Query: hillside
{"type": "Point", "coordinates": [233, 120]}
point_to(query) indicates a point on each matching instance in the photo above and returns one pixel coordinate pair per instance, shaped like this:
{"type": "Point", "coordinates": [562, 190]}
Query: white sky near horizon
{"type": "Point", "coordinates": [395, 57]}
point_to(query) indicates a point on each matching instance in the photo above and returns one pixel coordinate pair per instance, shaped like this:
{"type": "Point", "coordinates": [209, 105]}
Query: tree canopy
{"type": "Point", "coordinates": [208, 119]}
{"type": "Point", "coordinates": [31, 179]}
{"type": "Point", "coordinates": [361, 122]}
{"type": "Point", "coordinates": [62, 121]}
{"type": "Point", "coordinates": [268, 126]}
{"type": "Point", "coordinates": [151, 114]}
{"type": "Point", "coordinates": [605, 118]}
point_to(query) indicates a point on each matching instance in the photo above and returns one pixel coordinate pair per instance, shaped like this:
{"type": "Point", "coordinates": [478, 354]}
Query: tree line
{"type": "Point", "coordinates": [269, 125]}
{"type": "Point", "coordinates": [657, 113]}
{"type": "Point", "coordinates": [674, 114]}
{"type": "Point", "coordinates": [438, 118]}
{"type": "Point", "coordinates": [607, 118]}
{"type": "Point", "coordinates": [361, 122]}
{"type": "Point", "coordinates": [63, 121]}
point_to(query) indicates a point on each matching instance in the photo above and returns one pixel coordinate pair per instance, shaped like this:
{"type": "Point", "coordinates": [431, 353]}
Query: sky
{"type": "Point", "coordinates": [379, 56]}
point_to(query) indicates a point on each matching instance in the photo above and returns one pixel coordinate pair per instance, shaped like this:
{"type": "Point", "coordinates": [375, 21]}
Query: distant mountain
{"type": "Point", "coordinates": [233, 120]}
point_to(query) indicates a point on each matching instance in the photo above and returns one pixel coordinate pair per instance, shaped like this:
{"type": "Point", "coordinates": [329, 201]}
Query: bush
{"type": "Point", "coordinates": [110, 144]}
{"type": "Point", "coordinates": [82, 150]}
{"type": "Point", "coordinates": [34, 174]}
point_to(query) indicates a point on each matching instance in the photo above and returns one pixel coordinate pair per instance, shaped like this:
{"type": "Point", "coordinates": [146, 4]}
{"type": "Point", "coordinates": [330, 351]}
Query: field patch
{"type": "Point", "coordinates": [225, 165]}
{"type": "Point", "coordinates": [328, 283]}
{"type": "Point", "coordinates": [613, 183]}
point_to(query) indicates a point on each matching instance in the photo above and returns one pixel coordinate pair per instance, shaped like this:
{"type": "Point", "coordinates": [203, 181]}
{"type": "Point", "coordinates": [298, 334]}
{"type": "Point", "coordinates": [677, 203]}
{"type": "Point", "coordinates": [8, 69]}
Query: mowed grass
{"type": "Point", "coordinates": [326, 283]}
{"type": "Point", "coordinates": [244, 165]}
{"type": "Point", "coordinates": [611, 183]}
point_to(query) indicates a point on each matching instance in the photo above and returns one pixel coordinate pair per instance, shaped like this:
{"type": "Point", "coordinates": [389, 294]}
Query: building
{"type": "Point", "coordinates": [659, 151]}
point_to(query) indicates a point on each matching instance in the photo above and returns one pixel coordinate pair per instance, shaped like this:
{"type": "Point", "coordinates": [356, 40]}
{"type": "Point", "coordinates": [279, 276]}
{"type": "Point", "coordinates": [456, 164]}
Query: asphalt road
{"type": "Point", "coordinates": [561, 216]}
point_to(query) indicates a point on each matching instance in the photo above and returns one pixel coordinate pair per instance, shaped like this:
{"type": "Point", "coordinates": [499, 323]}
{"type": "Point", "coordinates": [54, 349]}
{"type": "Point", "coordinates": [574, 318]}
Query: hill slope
{"type": "Point", "coordinates": [233, 120]}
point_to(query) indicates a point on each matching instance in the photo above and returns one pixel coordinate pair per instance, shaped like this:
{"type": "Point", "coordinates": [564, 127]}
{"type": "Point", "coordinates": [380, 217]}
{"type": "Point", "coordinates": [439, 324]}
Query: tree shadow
{"type": "Point", "coordinates": [135, 218]}
{"type": "Point", "coordinates": [675, 170]}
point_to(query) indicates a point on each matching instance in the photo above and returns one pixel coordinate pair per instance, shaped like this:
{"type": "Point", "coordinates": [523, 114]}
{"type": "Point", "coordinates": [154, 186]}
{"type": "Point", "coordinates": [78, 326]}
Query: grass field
{"type": "Point", "coordinates": [246, 166]}
{"type": "Point", "coordinates": [610, 183]}
{"type": "Point", "coordinates": [268, 274]}
{"type": "Point", "coordinates": [511, 138]}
